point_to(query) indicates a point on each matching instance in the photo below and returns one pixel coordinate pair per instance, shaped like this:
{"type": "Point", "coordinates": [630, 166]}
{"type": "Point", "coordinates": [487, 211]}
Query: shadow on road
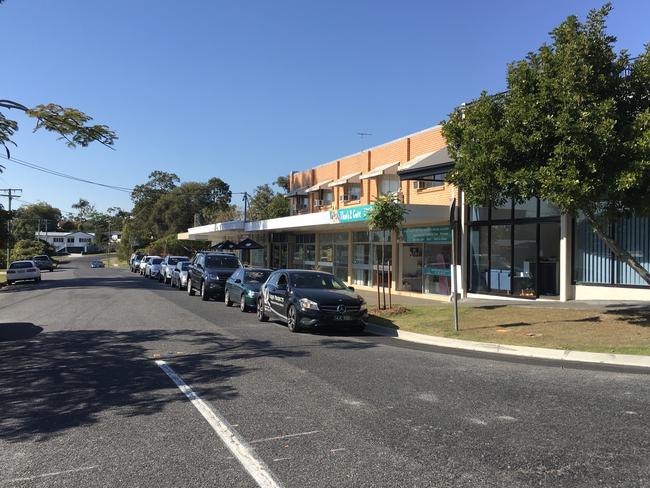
{"type": "Point", "coordinates": [54, 381]}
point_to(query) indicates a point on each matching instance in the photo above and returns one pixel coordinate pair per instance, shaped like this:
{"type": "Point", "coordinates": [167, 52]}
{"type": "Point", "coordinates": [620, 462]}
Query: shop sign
{"type": "Point", "coordinates": [352, 214]}
{"type": "Point", "coordinates": [440, 234]}
{"type": "Point", "coordinates": [433, 271]}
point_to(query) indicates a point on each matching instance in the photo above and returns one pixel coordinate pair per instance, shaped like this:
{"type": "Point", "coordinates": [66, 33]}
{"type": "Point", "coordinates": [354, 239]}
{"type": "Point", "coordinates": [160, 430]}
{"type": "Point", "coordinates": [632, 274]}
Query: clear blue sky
{"type": "Point", "coordinates": [249, 90]}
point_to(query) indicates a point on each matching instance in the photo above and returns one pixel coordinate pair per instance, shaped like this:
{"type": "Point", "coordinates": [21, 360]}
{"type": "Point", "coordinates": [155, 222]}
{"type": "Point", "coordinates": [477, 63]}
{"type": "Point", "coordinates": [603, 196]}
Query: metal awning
{"type": "Point", "coordinates": [248, 244]}
{"type": "Point", "coordinates": [384, 169]}
{"type": "Point", "coordinates": [430, 166]}
{"type": "Point", "coordinates": [351, 178]}
{"type": "Point", "coordinates": [318, 186]}
{"type": "Point", "coordinates": [298, 192]}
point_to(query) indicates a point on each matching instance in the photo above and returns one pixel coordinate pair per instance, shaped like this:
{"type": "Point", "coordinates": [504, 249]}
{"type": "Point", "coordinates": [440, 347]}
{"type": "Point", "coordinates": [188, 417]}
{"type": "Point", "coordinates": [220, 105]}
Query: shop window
{"type": "Point", "coordinates": [547, 209]}
{"type": "Point", "coordinates": [502, 211]}
{"type": "Point", "coordinates": [479, 258]}
{"type": "Point", "coordinates": [500, 264]}
{"type": "Point", "coordinates": [477, 214]}
{"type": "Point", "coordinates": [526, 209]}
{"type": "Point", "coordinates": [354, 191]}
{"type": "Point", "coordinates": [326, 196]}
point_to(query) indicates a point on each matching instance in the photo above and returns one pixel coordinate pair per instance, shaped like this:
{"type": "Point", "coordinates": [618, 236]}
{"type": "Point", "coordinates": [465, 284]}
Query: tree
{"type": "Point", "coordinates": [34, 217]}
{"type": "Point", "coordinates": [28, 248]}
{"type": "Point", "coordinates": [573, 129]}
{"type": "Point", "coordinates": [72, 125]}
{"type": "Point", "coordinates": [282, 182]}
{"type": "Point", "coordinates": [385, 214]}
{"type": "Point", "coordinates": [266, 204]}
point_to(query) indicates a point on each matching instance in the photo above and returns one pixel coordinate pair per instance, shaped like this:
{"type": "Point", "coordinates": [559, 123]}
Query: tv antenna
{"type": "Point", "coordinates": [362, 136]}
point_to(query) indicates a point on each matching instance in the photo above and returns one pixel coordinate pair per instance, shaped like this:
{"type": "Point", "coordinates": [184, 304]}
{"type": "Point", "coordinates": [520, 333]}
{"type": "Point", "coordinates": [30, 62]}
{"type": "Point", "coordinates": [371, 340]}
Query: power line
{"type": "Point", "coordinates": [43, 169]}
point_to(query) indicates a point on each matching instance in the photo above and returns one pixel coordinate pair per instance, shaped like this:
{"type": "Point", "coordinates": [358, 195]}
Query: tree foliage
{"type": "Point", "coordinates": [267, 204]}
{"type": "Point", "coordinates": [28, 248]}
{"type": "Point", "coordinates": [573, 128]}
{"type": "Point", "coordinates": [34, 217]}
{"type": "Point", "coordinates": [386, 213]}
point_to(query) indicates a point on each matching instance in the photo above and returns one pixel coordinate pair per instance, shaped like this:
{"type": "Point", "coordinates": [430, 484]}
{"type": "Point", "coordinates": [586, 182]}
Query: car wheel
{"type": "Point", "coordinates": [190, 290]}
{"type": "Point", "coordinates": [9, 282]}
{"type": "Point", "coordinates": [204, 293]}
{"type": "Point", "coordinates": [242, 303]}
{"type": "Point", "coordinates": [292, 319]}
{"type": "Point", "coordinates": [51, 270]}
{"type": "Point", "coordinates": [226, 299]}
{"type": "Point", "coordinates": [261, 315]}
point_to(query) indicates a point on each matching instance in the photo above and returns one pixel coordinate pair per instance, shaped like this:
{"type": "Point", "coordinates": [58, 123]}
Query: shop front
{"type": "Point", "coordinates": [425, 257]}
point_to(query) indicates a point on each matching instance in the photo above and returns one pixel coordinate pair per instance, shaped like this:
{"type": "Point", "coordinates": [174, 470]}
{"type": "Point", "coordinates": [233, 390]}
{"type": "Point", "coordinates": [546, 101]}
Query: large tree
{"type": "Point", "coordinates": [34, 217]}
{"type": "Point", "coordinates": [573, 128]}
{"type": "Point", "coordinates": [267, 204]}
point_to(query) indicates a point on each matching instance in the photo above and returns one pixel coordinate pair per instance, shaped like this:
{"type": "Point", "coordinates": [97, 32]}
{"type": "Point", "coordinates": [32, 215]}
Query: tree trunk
{"type": "Point", "coordinates": [383, 260]}
{"type": "Point", "coordinates": [618, 251]}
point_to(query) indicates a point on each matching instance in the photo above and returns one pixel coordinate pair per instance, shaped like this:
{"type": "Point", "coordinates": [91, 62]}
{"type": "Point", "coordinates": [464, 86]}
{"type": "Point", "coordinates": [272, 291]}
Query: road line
{"type": "Point", "coordinates": [258, 470]}
{"type": "Point", "coordinates": [285, 436]}
{"type": "Point", "coordinates": [55, 473]}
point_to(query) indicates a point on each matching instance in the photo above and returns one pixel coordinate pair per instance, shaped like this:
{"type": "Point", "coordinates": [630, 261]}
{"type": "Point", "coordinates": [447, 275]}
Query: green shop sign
{"type": "Point", "coordinates": [352, 214]}
{"type": "Point", "coordinates": [440, 234]}
{"type": "Point", "coordinates": [433, 271]}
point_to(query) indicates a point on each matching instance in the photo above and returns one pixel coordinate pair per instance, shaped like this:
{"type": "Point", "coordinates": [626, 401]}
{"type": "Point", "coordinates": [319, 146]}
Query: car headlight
{"type": "Point", "coordinates": [250, 293]}
{"type": "Point", "coordinates": [364, 306]}
{"type": "Point", "coordinates": [307, 304]}
{"type": "Point", "coordinates": [213, 276]}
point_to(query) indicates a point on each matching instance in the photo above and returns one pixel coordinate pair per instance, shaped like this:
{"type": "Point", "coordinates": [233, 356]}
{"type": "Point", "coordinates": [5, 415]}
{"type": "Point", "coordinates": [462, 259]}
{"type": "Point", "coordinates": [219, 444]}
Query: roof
{"type": "Point", "coordinates": [318, 186]}
{"type": "Point", "coordinates": [384, 169]}
{"type": "Point", "coordinates": [427, 166]}
{"type": "Point", "coordinates": [62, 234]}
{"type": "Point", "coordinates": [351, 178]}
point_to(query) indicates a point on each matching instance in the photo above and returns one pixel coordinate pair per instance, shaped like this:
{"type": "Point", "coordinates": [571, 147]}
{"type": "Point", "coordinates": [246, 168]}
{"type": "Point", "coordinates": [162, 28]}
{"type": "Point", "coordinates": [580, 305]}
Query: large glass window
{"type": "Point", "coordinates": [500, 258]}
{"type": "Point", "coordinates": [388, 184]}
{"type": "Point", "coordinates": [334, 254]}
{"type": "Point", "coordinates": [525, 260]}
{"type": "Point", "coordinates": [304, 251]}
{"type": "Point", "coordinates": [479, 258]}
{"type": "Point", "coordinates": [354, 191]}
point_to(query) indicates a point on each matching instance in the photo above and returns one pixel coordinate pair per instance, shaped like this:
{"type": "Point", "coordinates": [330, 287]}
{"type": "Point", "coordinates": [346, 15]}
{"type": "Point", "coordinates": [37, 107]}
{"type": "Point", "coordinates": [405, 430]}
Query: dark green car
{"type": "Point", "coordinates": [243, 287]}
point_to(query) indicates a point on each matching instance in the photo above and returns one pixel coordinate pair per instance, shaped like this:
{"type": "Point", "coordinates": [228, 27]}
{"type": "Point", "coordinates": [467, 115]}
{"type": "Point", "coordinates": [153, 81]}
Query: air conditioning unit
{"type": "Point", "coordinates": [420, 185]}
{"type": "Point", "coordinates": [318, 203]}
{"type": "Point", "coordinates": [344, 198]}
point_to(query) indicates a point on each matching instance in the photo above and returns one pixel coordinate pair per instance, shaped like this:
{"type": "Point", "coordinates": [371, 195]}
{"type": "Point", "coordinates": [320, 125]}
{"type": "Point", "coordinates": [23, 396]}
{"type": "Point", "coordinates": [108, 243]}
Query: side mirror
{"type": "Point", "coordinates": [237, 280]}
{"type": "Point", "coordinates": [351, 288]}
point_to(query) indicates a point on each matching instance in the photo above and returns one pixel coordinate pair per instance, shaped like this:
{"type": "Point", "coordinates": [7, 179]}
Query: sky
{"type": "Point", "coordinates": [248, 90]}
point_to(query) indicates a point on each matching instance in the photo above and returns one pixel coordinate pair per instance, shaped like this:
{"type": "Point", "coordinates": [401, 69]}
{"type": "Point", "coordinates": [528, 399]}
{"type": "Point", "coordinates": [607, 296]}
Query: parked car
{"type": "Point", "coordinates": [134, 262]}
{"type": "Point", "coordinates": [179, 275]}
{"type": "Point", "coordinates": [209, 271]}
{"type": "Point", "coordinates": [167, 266]}
{"type": "Point", "coordinates": [152, 268]}
{"type": "Point", "coordinates": [313, 299]}
{"type": "Point", "coordinates": [143, 264]}
{"type": "Point", "coordinates": [243, 287]}
{"type": "Point", "coordinates": [96, 264]}
{"type": "Point", "coordinates": [22, 271]}
{"type": "Point", "coordinates": [43, 262]}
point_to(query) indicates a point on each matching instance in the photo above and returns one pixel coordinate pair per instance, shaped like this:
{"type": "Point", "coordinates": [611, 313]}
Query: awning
{"type": "Point", "coordinates": [430, 166]}
{"type": "Point", "coordinates": [298, 192]}
{"type": "Point", "coordinates": [384, 169]}
{"type": "Point", "coordinates": [318, 186]}
{"type": "Point", "coordinates": [248, 244]}
{"type": "Point", "coordinates": [351, 178]}
{"type": "Point", "coordinates": [224, 246]}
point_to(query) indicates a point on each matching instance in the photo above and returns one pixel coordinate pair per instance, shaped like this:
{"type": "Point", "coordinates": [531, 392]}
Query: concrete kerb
{"type": "Point", "coordinates": [505, 349]}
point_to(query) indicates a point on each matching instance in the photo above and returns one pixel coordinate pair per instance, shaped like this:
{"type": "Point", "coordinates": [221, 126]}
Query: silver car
{"type": "Point", "coordinates": [143, 264]}
{"type": "Point", "coordinates": [152, 268]}
{"type": "Point", "coordinates": [23, 270]}
{"type": "Point", "coordinates": [179, 275]}
{"type": "Point", "coordinates": [167, 267]}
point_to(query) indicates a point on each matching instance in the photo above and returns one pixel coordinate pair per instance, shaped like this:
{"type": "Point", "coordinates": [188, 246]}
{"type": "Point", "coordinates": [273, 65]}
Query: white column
{"type": "Point", "coordinates": [566, 288]}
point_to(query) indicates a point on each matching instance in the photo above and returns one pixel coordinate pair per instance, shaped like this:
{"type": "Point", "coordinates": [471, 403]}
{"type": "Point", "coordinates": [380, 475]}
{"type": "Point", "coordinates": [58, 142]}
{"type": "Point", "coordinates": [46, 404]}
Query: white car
{"type": "Point", "coordinates": [23, 270]}
{"type": "Point", "coordinates": [143, 264]}
{"type": "Point", "coordinates": [152, 268]}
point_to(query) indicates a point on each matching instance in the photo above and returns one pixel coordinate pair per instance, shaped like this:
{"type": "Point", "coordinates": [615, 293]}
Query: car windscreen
{"type": "Point", "coordinates": [256, 276]}
{"type": "Point", "coordinates": [156, 261]}
{"type": "Point", "coordinates": [185, 265]}
{"type": "Point", "coordinates": [41, 258]}
{"type": "Point", "coordinates": [175, 260]}
{"type": "Point", "coordinates": [21, 265]}
{"type": "Point", "coordinates": [319, 281]}
{"type": "Point", "coordinates": [221, 262]}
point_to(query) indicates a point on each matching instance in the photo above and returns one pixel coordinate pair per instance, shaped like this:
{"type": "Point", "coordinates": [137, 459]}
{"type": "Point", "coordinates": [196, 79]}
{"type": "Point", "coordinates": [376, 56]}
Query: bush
{"type": "Point", "coordinates": [170, 245]}
{"type": "Point", "coordinates": [28, 248]}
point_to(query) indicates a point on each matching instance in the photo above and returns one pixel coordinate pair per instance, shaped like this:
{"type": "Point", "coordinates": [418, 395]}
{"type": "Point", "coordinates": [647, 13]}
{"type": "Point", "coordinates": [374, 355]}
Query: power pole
{"type": "Point", "coordinates": [10, 194]}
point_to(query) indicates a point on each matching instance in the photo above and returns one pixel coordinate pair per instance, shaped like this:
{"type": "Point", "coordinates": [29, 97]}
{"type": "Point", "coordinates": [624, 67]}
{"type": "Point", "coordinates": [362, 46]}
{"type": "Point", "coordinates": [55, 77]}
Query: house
{"type": "Point", "coordinates": [72, 242]}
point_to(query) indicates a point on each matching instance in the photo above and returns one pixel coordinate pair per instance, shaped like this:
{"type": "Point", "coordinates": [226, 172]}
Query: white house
{"type": "Point", "coordinates": [77, 241]}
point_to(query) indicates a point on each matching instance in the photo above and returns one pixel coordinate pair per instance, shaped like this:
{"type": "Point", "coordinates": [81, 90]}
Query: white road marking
{"type": "Point", "coordinates": [258, 470]}
{"type": "Point", "coordinates": [507, 418]}
{"type": "Point", "coordinates": [477, 421]}
{"type": "Point", "coordinates": [55, 473]}
{"type": "Point", "coordinates": [285, 436]}
{"type": "Point", "coordinates": [338, 450]}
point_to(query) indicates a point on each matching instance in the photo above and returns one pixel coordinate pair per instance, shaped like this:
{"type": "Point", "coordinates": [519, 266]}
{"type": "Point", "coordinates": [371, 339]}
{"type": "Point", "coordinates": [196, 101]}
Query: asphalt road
{"type": "Point", "coordinates": [83, 402]}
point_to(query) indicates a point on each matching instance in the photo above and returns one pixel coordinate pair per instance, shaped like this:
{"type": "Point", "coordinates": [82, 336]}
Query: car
{"type": "Point", "coordinates": [167, 266]}
{"type": "Point", "coordinates": [179, 275]}
{"type": "Point", "coordinates": [311, 299]}
{"type": "Point", "coordinates": [243, 287]}
{"type": "Point", "coordinates": [152, 268]}
{"type": "Point", "coordinates": [96, 264]}
{"type": "Point", "coordinates": [22, 271]}
{"type": "Point", "coordinates": [43, 262]}
{"type": "Point", "coordinates": [143, 263]}
{"type": "Point", "coordinates": [208, 273]}
{"type": "Point", "coordinates": [134, 262]}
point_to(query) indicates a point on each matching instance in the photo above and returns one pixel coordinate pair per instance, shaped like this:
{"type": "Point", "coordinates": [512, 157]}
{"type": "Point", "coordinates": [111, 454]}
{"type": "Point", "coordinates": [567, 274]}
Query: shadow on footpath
{"type": "Point", "coordinates": [54, 381]}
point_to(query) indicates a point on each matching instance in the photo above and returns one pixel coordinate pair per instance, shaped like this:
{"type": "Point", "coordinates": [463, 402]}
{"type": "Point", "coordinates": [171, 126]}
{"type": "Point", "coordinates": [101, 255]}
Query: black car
{"type": "Point", "coordinates": [43, 262]}
{"type": "Point", "coordinates": [208, 273]}
{"type": "Point", "coordinates": [312, 299]}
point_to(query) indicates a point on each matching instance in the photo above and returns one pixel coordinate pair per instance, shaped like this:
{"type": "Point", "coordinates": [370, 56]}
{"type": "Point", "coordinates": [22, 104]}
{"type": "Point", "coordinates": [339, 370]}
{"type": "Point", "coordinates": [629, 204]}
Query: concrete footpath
{"type": "Point", "coordinates": [509, 350]}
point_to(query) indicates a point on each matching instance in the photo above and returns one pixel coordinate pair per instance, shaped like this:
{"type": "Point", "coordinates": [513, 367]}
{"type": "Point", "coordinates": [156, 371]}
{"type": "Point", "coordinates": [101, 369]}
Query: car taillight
{"type": "Point", "coordinates": [11, 271]}
{"type": "Point", "coordinates": [31, 269]}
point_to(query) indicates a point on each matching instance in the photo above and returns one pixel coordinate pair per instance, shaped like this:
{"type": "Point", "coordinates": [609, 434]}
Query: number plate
{"type": "Point", "coordinates": [343, 318]}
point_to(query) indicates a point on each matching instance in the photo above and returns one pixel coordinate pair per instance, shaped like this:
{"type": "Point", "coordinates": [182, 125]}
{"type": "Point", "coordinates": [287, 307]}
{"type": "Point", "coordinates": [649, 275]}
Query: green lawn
{"type": "Point", "coordinates": [3, 275]}
{"type": "Point", "coordinates": [625, 331]}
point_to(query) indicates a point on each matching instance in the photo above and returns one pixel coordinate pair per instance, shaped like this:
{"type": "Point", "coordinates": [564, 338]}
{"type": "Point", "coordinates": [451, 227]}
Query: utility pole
{"type": "Point", "coordinates": [10, 194]}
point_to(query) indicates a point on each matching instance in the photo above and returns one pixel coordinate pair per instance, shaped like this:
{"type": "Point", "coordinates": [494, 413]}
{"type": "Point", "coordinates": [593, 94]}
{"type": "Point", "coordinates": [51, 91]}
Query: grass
{"type": "Point", "coordinates": [621, 330]}
{"type": "Point", "coordinates": [113, 261]}
{"type": "Point", "coordinates": [3, 275]}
